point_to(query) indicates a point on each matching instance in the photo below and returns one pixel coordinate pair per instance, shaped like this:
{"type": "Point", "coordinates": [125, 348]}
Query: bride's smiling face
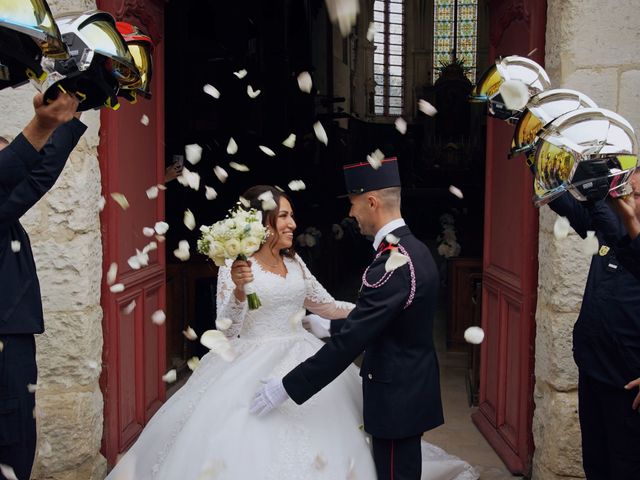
{"type": "Point", "coordinates": [285, 225]}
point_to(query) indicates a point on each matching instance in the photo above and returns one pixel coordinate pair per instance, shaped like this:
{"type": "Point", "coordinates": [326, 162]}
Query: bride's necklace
{"type": "Point", "coordinates": [271, 265]}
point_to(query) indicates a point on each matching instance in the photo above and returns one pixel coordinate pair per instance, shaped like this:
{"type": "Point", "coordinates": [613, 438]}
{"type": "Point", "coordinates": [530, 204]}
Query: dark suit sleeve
{"type": "Point", "coordinates": [16, 161]}
{"type": "Point", "coordinates": [375, 308]}
{"type": "Point", "coordinates": [43, 174]}
{"type": "Point", "coordinates": [578, 214]}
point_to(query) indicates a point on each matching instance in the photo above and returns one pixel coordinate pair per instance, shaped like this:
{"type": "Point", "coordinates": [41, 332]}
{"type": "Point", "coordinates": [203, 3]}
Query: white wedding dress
{"type": "Point", "coordinates": [205, 430]}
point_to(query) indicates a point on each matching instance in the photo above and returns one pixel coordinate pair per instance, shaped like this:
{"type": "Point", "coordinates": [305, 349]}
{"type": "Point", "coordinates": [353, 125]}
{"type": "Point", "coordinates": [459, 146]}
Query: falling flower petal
{"type": "Point", "coordinates": [351, 472]}
{"type": "Point", "coordinates": [426, 108]}
{"type": "Point", "coordinates": [129, 308]}
{"type": "Point", "coordinates": [101, 203]}
{"type": "Point", "coordinates": [171, 376]}
{"type": "Point", "coordinates": [515, 94]}
{"type": "Point", "coordinates": [296, 185]}
{"type": "Point", "coordinates": [296, 319]}
{"type": "Point", "coordinates": [561, 228]}
{"type": "Point", "coordinates": [148, 231]}
{"type": "Point", "coordinates": [117, 288]}
{"type": "Point", "coordinates": [251, 92]}
{"type": "Point", "coordinates": [193, 153]}
{"type": "Point", "coordinates": [375, 159]}
{"type": "Point", "coordinates": [111, 274]}
{"type": "Point", "coordinates": [240, 167]}
{"type": "Point", "coordinates": [395, 260]}
{"type": "Point", "coordinates": [392, 239]}
{"type": "Point", "coordinates": [193, 363]}
{"type": "Point", "coordinates": [211, 90]}
{"type": "Point", "coordinates": [121, 200]}
{"type": "Point", "coordinates": [190, 334]}
{"type": "Point", "coordinates": [31, 388]}
{"type": "Point", "coordinates": [321, 135]}
{"type": "Point", "coordinates": [290, 141]}
{"type": "Point", "coordinates": [134, 262]}
{"type": "Point", "coordinates": [590, 245]}
{"type": "Point", "coordinates": [8, 472]}
{"type": "Point", "coordinates": [161, 228]}
{"type": "Point", "coordinates": [232, 147]}
{"type": "Point", "coordinates": [268, 203]}
{"type": "Point", "coordinates": [216, 341]}
{"type": "Point", "coordinates": [223, 324]}
{"type": "Point", "coordinates": [189, 179]}
{"type": "Point", "coordinates": [532, 52]}
{"type": "Point", "coordinates": [455, 191]}
{"type": "Point", "coordinates": [152, 192]}
{"type": "Point", "coordinates": [304, 82]}
{"type": "Point", "coordinates": [158, 317]}
{"type": "Point", "coordinates": [210, 193]}
{"type": "Point", "coordinates": [144, 120]}
{"type": "Point", "coordinates": [161, 187]}
{"type": "Point", "coordinates": [338, 232]}
{"type": "Point", "coordinates": [344, 13]}
{"type": "Point", "coordinates": [189, 220]}
{"type": "Point", "coordinates": [15, 246]}
{"type": "Point", "coordinates": [319, 462]}
{"type": "Point", "coordinates": [220, 173]}
{"type": "Point", "coordinates": [150, 247]}
{"type": "Point", "coordinates": [182, 252]}
{"type": "Point", "coordinates": [474, 335]}
{"type": "Point", "coordinates": [371, 31]}
{"type": "Point", "coordinates": [1, 346]}
{"type": "Point", "coordinates": [160, 238]}
{"type": "Point", "coordinates": [267, 150]}
{"type": "Point", "coordinates": [241, 73]}
{"type": "Point", "coordinates": [401, 125]}
{"type": "Point", "coordinates": [93, 365]}
{"type": "Point", "coordinates": [244, 202]}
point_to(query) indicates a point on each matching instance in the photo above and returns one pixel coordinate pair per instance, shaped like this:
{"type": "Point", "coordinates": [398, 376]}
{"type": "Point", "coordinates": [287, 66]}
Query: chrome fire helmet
{"type": "Point", "coordinates": [141, 48]}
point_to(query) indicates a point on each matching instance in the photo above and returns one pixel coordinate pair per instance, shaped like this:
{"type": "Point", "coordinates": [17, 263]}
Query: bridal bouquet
{"type": "Point", "coordinates": [236, 237]}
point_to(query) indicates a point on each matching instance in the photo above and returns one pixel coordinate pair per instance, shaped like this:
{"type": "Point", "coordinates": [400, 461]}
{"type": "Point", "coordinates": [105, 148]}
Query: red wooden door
{"type": "Point", "coordinates": [510, 264]}
{"type": "Point", "coordinates": [132, 160]}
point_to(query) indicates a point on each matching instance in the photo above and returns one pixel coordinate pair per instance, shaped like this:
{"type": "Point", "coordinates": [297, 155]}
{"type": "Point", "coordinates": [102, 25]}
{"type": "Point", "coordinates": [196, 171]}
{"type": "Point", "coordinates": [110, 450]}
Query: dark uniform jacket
{"type": "Point", "coordinates": [400, 375]}
{"type": "Point", "coordinates": [606, 336]}
{"type": "Point", "coordinates": [25, 176]}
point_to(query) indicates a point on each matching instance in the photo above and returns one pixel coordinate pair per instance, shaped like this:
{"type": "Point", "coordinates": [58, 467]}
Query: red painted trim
{"type": "Point", "coordinates": [362, 164]}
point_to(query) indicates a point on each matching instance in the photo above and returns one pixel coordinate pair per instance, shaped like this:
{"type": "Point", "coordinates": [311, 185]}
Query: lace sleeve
{"type": "Point", "coordinates": [227, 305]}
{"type": "Point", "coordinates": [318, 300]}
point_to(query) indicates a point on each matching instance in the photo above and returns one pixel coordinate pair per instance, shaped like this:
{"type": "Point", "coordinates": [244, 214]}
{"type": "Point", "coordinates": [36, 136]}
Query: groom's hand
{"type": "Point", "coordinates": [271, 395]}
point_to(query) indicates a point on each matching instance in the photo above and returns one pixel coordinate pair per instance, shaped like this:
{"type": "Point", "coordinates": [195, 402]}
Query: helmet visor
{"type": "Point", "coordinates": [488, 85]}
{"type": "Point", "coordinates": [525, 133]}
{"type": "Point", "coordinates": [553, 168]}
{"type": "Point", "coordinates": [142, 58]}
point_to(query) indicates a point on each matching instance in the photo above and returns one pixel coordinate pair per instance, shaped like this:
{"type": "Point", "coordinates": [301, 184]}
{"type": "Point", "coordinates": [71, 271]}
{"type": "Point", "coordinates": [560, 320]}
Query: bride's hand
{"type": "Point", "coordinates": [241, 275]}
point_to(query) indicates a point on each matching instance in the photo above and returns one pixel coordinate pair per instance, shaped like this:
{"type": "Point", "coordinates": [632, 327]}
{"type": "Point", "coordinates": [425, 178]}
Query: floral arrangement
{"type": "Point", "coordinates": [238, 236]}
{"type": "Point", "coordinates": [448, 245]}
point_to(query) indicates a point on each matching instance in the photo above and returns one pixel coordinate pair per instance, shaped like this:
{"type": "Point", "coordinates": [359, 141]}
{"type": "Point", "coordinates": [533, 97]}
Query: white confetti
{"type": "Point", "coordinates": [426, 108]}
{"type": "Point", "coordinates": [304, 82]}
{"type": "Point", "coordinates": [474, 335]}
{"type": "Point", "coordinates": [161, 187]}
{"type": "Point", "coordinates": [193, 153]}
{"type": "Point", "coordinates": [395, 260]}
{"type": "Point", "coordinates": [101, 202]}
{"type": "Point", "coordinates": [240, 167]}
{"type": "Point", "coordinates": [211, 90]}
{"type": "Point", "coordinates": [8, 472]}
{"type": "Point", "coordinates": [150, 247]}
{"type": "Point", "coordinates": [31, 388]}
{"type": "Point", "coordinates": [190, 334]}
{"type": "Point", "coordinates": [251, 92]}
{"type": "Point", "coordinates": [1, 345]}
{"type": "Point", "coordinates": [268, 203]}
{"type": "Point", "coordinates": [401, 125]}
{"type": "Point", "coordinates": [134, 262]}
{"type": "Point", "coordinates": [170, 377]}
{"type": "Point", "coordinates": [371, 31]}
{"type": "Point", "coordinates": [296, 319]}
{"type": "Point", "coordinates": [590, 245]}
{"type": "Point", "coordinates": [456, 191]}
{"type": "Point", "coordinates": [216, 341]}
{"type": "Point", "coordinates": [158, 317]}
{"type": "Point", "coordinates": [344, 13]}
{"type": "Point", "coordinates": [117, 288]}
{"type": "Point", "coordinates": [561, 228]}
{"type": "Point", "coordinates": [267, 151]}
{"type": "Point", "coordinates": [15, 246]}
{"type": "Point", "coordinates": [515, 94]}
{"type": "Point", "coordinates": [375, 159]}
{"type": "Point", "coordinates": [111, 273]}
{"type": "Point", "coordinates": [392, 239]}
{"type": "Point", "coordinates": [232, 147]}
{"type": "Point", "coordinates": [182, 252]}
{"type": "Point", "coordinates": [148, 232]}
{"type": "Point", "coordinates": [152, 192]}
{"type": "Point", "coordinates": [129, 308]}
{"type": "Point", "coordinates": [160, 238]}
{"type": "Point", "coordinates": [321, 135]}
{"type": "Point", "coordinates": [144, 120]}
{"type": "Point", "coordinates": [189, 220]}
{"type": "Point", "coordinates": [220, 173]}
{"type": "Point", "coordinates": [161, 228]}
{"type": "Point", "coordinates": [532, 52]}
{"type": "Point", "coordinates": [290, 141]}
{"type": "Point", "coordinates": [193, 363]}
{"type": "Point", "coordinates": [244, 202]}
{"type": "Point", "coordinates": [296, 185]}
{"type": "Point", "coordinates": [319, 462]}
{"type": "Point", "coordinates": [121, 200]}
{"type": "Point", "coordinates": [241, 73]}
{"type": "Point", "coordinates": [223, 324]}
{"type": "Point", "coordinates": [210, 193]}
{"type": "Point", "coordinates": [189, 179]}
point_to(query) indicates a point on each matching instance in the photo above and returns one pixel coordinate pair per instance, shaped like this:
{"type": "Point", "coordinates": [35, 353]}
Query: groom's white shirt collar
{"type": "Point", "coordinates": [386, 230]}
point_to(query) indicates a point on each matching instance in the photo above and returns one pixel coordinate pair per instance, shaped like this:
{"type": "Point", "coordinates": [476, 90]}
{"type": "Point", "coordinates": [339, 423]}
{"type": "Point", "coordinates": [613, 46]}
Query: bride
{"type": "Point", "coordinates": [205, 430]}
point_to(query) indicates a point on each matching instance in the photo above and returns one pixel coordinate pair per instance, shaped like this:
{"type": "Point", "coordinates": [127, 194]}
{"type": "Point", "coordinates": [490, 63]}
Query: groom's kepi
{"type": "Point", "coordinates": [362, 177]}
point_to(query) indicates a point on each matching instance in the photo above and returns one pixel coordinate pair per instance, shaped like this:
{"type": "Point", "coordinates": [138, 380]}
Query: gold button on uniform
{"type": "Point", "coordinates": [370, 376]}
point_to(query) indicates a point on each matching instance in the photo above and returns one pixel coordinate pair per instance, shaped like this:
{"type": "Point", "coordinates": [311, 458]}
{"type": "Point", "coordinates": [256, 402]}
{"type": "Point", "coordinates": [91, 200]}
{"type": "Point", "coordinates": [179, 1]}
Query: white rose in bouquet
{"type": "Point", "coordinates": [232, 247]}
{"type": "Point", "coordinates": [249, 246]}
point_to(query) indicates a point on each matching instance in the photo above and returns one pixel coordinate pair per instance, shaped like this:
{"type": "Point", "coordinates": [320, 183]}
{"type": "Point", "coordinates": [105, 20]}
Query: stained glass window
{"type": "Point", "coordinates": [388, 56]}
{"type": "Point", "coordinates": [455, 34]}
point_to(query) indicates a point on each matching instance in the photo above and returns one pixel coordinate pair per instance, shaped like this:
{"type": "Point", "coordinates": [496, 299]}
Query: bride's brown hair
{"type": "Point", "coordinates": [269, 217]}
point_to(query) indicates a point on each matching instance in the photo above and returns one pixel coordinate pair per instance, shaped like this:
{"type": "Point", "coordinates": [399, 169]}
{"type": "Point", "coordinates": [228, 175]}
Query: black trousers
{"type": "Point", "coordinates": [610, 430]}
{"type": "Point", "coordinates": [398, 459]}
{"type": "Point", "coordinates": [17, 425]}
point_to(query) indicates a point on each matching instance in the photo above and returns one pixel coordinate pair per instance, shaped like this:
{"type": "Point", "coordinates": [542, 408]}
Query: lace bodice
{"type": "Point", "coordinates": [282, 299]}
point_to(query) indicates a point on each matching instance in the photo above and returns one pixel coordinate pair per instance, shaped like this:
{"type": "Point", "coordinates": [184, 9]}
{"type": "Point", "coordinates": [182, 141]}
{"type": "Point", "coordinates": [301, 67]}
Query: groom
{"type": "Point", "coordinates": [392, 323]}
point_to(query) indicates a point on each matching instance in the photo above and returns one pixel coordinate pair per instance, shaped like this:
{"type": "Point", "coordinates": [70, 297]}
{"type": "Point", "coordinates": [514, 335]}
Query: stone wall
{"type": "Point", "coordinates": [64, 228]}
{"type": "Point", "coordinates": [591, 46]}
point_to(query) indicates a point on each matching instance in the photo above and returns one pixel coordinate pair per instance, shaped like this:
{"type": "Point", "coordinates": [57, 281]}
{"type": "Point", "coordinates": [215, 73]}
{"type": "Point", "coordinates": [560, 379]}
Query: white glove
{"type": "Point", "coordinates": [270, 396]}
{"type": "Point", "coordinates": [317, 325]}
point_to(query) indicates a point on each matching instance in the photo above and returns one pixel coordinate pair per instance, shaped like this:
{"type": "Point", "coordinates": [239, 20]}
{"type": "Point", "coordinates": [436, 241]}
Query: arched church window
{"type": "Point", "coordinates": [455, 34]}
{"type": "Point", "coordinates": [388, 56]}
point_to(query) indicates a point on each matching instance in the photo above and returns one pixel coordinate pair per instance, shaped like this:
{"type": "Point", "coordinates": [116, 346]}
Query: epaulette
{"type": "Point", "coordinates": [387, 275]}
